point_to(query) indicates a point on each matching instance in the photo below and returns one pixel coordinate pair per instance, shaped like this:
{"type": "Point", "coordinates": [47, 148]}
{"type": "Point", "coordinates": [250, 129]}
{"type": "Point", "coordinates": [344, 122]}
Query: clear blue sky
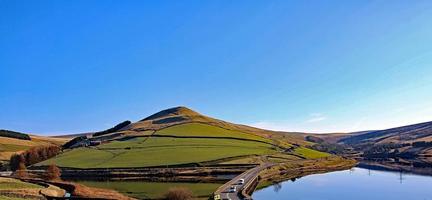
{"type": "Point", "coordinates": [315, 66]}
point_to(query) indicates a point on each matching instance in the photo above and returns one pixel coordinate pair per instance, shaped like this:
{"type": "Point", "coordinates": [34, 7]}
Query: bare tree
{"type": "Point", "coordinates": [21, 171]}
{"type": "Point", "coordinates": [53, 172]}
{"type": "Point", "coordinates": [34, 155]}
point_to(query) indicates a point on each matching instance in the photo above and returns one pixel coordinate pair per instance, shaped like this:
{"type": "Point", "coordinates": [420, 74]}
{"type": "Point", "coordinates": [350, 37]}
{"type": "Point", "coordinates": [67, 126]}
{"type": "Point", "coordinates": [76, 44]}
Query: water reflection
{"type": "Point", "coordinates": [354, 184]}
{"type": "Point", "coordinates": [406, 166]}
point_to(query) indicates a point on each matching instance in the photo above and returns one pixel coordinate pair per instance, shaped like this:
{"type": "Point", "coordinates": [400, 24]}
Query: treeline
{"type": "Point", "coordinates": [385, 150]}
{"type": "Point", "coordinates": [392, 149]}
{"type": "Point", "coordinates": [72, 142]}
{"type": "Point", "coordinates": [113, 129]}
{"type": "Point", "coordinates": [422, 144]}
{"type": "Point", "coordinates": [33, 155]}
{"type": "Point", "coordinates": [321, 145]}
{"type": "Point", "coordinates": [330, 148]}
{"type": "Point", "coordinates": [13, 134]}
{"type": "Point", "coordinates": [314, 139]}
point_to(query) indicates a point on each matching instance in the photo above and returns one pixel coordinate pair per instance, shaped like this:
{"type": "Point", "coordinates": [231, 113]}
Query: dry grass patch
{"type": "Point", "coordinates": [178, 193]}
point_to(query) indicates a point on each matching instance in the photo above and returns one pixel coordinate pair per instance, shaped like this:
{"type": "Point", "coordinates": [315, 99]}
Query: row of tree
{"type": "Point", "coordinates": [33, 156]}
{"type": "Point", "coordinates": [52, 172]}
{"type": "Point", "coordinates": [14, 134]}
{"type": "Point", "coordinates": [113, 129]}
{"type": "Point", "coordinates": [422, 144]}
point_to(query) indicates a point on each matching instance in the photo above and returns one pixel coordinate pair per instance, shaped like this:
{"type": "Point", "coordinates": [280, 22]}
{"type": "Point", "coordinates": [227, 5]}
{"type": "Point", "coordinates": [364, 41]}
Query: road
{"type": "Point", "coordinates": [248, 177]}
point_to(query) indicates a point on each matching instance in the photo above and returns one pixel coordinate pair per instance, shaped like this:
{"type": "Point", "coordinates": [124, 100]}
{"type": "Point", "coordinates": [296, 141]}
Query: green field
{"type": "Point", "coordinates": [153, 190]}
{"type": "Point", "coordinates": [9, 198]}
{"type": "Point", "coordinates": [164, 151]}
{"type": "Point", "coordinates": [12, 184]}
{"type": "Point", "coordinates": [310, 153]}
{"type": "Point", "coordinates": [198, 129]}
{"type": "Point", "coordinates": [145, 152]}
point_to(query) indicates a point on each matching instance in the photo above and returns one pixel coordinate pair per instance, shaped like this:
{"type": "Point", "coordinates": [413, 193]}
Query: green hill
{"type": "Point", "coordinates": [180, 136]}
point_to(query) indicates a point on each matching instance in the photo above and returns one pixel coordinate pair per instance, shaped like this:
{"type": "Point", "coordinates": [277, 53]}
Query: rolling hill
{"type": "Point", "coordinates": [411, 141]}
{"type": "Point", "coordinates": [180, 136]}
{"type": "Point", "coordinates": [410, 133]}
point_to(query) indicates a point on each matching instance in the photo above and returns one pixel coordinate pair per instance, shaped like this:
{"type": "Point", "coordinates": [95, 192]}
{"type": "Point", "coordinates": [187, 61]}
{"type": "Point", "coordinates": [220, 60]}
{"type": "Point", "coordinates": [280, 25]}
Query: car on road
{"type": "Point", "coordinates": [232, 189]}
{"type": "Point", "coordinates": [241, 181]}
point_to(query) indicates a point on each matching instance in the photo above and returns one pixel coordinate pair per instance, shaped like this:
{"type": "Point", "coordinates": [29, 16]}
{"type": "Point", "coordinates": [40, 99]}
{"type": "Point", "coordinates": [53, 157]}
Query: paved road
{"type": "Point", "coordinates": [248, 176]}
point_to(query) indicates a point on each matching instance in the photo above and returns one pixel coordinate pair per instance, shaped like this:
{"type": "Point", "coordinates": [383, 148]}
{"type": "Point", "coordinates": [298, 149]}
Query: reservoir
{"type": "Point", "coordinates": [354, 184]}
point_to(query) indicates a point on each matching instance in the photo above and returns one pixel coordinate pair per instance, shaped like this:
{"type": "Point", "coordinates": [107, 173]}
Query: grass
{"type": "Point", "coordinates": [10, 184]}
{"type": "Point", "coordinates": [152, 190]}
{"type": "Point", "coordinates": [13, 147]}
{"type": "Point", "coordinates": [198, 129]}
{"type": "Point", "coordinates": [145, 152]}
{"type": "Point", "coordinates": [10, 198]}
{"type": "Point", "coordinates": [246, 160]}
{"type": "Point", "coordinates": [164, 151]}
{"type": "Point", "coordinates": [309, 153]}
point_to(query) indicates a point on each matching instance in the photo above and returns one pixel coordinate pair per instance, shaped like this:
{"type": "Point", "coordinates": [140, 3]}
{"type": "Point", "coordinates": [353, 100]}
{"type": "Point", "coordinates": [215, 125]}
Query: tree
{"type": "Point", "coordinates": [34, 155]}
{"type": "Point", "coordinates": [53, 172]}
{"type": "Point", "coordinates": [14, 161]}
{"type": "Point", "coordinates": [277, 187]}
{"type": "Point", "coordinates": [113, 129]}
{"type": "Point", "coordinates": [21, 171]}
{"type": "Point", "coordinates": [178, 193]}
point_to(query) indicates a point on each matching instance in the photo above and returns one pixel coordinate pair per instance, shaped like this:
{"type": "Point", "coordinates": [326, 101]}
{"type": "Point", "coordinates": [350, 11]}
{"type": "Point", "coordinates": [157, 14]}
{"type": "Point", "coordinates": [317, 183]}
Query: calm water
{"type": "Point", "coordinates": [354, 184]}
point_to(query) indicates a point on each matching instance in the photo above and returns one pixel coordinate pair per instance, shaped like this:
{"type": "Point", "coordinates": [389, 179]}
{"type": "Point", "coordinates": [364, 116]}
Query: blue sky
{"type": "Point", "coordinates": [314, 66]}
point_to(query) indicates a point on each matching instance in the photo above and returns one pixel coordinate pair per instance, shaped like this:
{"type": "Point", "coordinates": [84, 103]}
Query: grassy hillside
{"type": "Point", "coordinates": [199, 129]}
{"type": "Point", "coordinates": [160, 151]}
{"type": "Point", "coordinates": [182, 115]}
{"type": "Point", "coordinates": [178, 136]}
{"type": "Point", "coordinates": [145, 152]}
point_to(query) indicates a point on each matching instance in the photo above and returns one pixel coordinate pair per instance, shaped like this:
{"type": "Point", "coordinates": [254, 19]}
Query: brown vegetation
{"type": "Point", "coordinates": [178, 193]}
{"type": "Point", "coordinates": [97, 193]}
{"type": "Point", "coordinates": [21, 171]}
{"type": "Point", "coordinates": [53, 173]}
{"type": "Point", "coordinates": [12, 146]}
{"type": "Point", "coordinates": [33, 156]}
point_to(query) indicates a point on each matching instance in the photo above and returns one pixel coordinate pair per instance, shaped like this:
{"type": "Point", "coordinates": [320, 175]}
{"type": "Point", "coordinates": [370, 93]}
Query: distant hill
{"type": "Point", "coordinates": [409, 142]}
{"type": "Point", "coordinates": [181, 136]}
{"type": "Point", "coordinates": [410, 133]}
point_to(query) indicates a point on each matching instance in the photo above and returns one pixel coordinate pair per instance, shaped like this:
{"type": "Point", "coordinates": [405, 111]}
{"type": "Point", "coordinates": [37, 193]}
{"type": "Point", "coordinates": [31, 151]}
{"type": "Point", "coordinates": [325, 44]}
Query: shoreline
{"type": "Point", "coordinates": [286, 171]}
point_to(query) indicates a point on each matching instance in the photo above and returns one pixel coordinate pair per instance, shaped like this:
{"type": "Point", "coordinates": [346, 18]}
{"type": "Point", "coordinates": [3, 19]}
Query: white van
{"type": "Point", "coordinates": [241, 181]}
